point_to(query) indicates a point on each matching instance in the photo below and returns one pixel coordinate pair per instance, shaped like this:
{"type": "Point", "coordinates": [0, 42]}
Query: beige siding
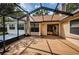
{"type": "Point", "coordinates": [65, 30]}
{"type": "Point", "coordinates": [44, 27]}
{"type": "Point", "coordinates": [65, 27]}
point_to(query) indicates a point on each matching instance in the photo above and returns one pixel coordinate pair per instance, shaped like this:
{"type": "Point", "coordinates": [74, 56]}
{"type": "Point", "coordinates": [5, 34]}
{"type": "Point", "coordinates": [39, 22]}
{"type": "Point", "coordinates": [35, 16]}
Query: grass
{"type": "Point", "coordinates": [1, 33]}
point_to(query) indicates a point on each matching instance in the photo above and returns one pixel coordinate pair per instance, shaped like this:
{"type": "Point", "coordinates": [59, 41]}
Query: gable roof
{"type": "Point", "coordinates": [47, 18]}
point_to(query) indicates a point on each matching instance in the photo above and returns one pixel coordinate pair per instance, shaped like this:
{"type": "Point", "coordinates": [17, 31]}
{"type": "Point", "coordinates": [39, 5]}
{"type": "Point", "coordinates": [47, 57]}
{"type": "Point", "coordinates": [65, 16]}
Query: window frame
{"type": "Point", "coordinates": [12, 26]}
{"type": "Point", "coordinates": [34, 27]}
{"type": "Point", "coordinates": [21, 26]}
{"type": "Point", "coordinates": [74, 29]}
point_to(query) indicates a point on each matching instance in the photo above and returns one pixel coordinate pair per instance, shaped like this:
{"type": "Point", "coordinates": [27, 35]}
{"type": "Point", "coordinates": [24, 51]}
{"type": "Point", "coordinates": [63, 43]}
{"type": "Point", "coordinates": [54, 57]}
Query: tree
{"type": "Point", "coordinates": [6, 8]}
{"type": "Point", "coordinates": [70, 7]}
{"type": "Point", "coordinates": [19, 13]}
{"type": "Point", "coordinates": [40, 12]}
{"type": "Point", "coordinates": [9, 9]}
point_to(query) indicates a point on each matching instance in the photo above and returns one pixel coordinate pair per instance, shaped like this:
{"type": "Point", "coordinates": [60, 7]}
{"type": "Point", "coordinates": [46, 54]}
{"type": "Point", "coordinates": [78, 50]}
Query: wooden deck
{"type": "Point", "coordinates": [49, 45]}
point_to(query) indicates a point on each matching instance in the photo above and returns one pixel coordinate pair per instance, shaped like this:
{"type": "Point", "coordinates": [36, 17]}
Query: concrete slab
{"type": "Point", "coordinates": [40, 44]}
{"type": "Point", "coordinates": [50, 45]}
{"type": "Point", "coordinates": [60, 48]}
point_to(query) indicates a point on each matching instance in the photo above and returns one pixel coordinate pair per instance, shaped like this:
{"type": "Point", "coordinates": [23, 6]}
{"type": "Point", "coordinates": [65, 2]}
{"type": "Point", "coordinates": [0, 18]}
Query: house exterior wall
{"type": "Point", "coordinates": [65, 30]}
{"type": "Point", "coordinates": [65, 27]}
{"type": "Point", "coordinates": [44, 27]}
{"type": "Point", "coordinates": [14, 31]}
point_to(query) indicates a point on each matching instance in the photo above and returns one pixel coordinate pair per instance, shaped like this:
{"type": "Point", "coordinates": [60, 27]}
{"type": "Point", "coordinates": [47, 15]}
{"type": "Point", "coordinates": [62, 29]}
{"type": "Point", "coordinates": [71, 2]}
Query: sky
{"type": "Point", "coordinates": [32, 6]}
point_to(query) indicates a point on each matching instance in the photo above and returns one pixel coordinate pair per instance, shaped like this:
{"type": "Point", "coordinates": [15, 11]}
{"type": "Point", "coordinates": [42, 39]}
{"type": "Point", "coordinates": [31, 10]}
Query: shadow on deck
{"type": "Point", "coordinates": [49, 45]}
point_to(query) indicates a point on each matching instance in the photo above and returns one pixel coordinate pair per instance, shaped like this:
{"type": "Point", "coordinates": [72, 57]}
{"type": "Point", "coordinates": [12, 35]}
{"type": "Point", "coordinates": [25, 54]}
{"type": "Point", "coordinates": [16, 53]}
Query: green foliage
{"type": "Point", "coordinates": [1, 33]}
{"type": "Point", "coordinates": [70, 7]}
{"type": "Point", "coordinates": [9, 8]}
{"type": "Point", "coordinates": [40, 12]}
{"type": "Point", "coordinates": [6, 20]}
{"type": "Point", "coordinates": [18, 13]}
{"type": "Point", "coordinates": [6, 8]}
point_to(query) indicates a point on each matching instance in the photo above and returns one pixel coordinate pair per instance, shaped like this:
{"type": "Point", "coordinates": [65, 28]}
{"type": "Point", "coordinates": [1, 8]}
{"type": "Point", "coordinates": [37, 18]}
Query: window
{"type": "Point", "coordinates": [2, 29]}
{"type": "Point", "coordinates": [34, 27]}
{"type": "Point", "coordinates": [51, 27]}
{"type": "Point", "coordinates": [12, 26]}
{"type": "Point", "coordinates": [74, 26]}
{"type": "Point", "coordinates": [21, 27]}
